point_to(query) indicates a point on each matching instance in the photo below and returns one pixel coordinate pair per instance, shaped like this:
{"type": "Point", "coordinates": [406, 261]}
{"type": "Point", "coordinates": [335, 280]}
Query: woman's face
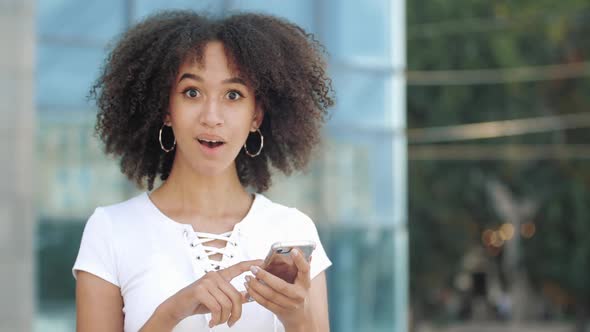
{"type": "Point", "coordinates": [212, 110]}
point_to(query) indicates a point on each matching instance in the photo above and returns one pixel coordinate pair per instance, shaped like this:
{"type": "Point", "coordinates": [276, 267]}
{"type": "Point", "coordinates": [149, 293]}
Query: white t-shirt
{"type": "Point", "coordinates": [149, 256]}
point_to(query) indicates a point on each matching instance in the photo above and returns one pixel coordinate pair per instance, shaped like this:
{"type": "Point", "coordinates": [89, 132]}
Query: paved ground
{"type": "Point", "coordinates": [498, 327]}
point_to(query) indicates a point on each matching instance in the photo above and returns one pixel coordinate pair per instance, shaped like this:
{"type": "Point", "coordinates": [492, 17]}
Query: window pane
{"type": "Point", "coordinates": [360, 98]}
{"type": "Point", "coordinates": [300, 12]}
{"type": "Point", "coordinates": [147, 7]}
{"type": "Point", "coordinates": [65, 74]}
{"type": "Point", "coordinates": [74, 174]}
{"type": "Point", "coordinates": [352, 29]}
{"type": "Point", "coordinates": [360, 283]}
{"type": "Point", "coordinates": [79, 20]}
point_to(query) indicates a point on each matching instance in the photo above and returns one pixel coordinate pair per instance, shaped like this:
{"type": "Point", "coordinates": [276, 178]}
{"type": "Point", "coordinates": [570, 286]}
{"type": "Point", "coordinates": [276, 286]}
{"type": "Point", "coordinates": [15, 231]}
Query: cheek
{"type": "Point", "coordinates": [173, 106]}
{"type": "Point", "coordinates": [237, 134]}
{"type": "Point", "coordinates": [245, 126]}
{"type": "Point", "coordinates": [182, 114]}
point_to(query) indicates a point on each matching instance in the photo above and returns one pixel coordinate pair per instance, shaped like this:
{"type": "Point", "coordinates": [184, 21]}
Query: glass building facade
{"type": "Point", "coordinates": [355, 190]}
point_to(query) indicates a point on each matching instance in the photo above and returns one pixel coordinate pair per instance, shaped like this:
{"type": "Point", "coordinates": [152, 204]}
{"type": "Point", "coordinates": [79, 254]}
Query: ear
{"type": "Point", "coordinates": [167, 120]}
{"type": "Point", "coordinates": [257, 120]}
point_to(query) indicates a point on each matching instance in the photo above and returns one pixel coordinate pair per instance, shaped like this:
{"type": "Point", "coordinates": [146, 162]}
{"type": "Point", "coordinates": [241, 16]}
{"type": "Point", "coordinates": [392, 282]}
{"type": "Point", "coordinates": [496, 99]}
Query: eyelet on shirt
{"type": "Point", "coordinates": [198, 243]}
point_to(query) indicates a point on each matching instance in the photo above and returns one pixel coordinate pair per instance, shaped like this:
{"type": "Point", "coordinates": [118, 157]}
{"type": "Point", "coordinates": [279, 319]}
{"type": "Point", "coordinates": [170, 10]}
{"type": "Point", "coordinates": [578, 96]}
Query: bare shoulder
{"type": "Point", "coordinates": [99, 305]}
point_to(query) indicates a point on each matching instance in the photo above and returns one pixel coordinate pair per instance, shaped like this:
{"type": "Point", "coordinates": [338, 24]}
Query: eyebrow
{"type": "Point", "coordinates": [200, 79]}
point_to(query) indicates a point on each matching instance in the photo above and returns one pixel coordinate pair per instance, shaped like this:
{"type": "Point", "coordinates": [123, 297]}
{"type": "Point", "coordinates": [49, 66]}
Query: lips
{"type": "Point", "coordinates": [210, 144]}
{"type": "Point", "coordinates": [210, 141]}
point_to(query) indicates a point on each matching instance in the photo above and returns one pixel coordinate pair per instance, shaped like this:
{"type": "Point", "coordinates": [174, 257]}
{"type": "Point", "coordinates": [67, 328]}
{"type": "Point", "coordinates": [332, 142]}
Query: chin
{"type": "Point", "coordinates": [211, 169]}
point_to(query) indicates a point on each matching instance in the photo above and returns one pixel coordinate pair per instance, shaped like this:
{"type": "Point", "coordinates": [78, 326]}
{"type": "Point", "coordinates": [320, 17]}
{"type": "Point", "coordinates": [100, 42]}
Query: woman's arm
{"type": "Point", "coordinates": [161, 320]}
{"type": "Point", "coordinates": [318, 302]}
{"type": "Point", "coordinates": [317, 307]}
{"type": "Point", "coordinates": [99, 305]}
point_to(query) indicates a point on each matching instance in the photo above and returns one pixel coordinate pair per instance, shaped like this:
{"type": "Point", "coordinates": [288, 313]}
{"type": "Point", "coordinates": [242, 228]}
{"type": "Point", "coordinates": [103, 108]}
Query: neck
{"type": "Point", "coordinates": [189, 193]}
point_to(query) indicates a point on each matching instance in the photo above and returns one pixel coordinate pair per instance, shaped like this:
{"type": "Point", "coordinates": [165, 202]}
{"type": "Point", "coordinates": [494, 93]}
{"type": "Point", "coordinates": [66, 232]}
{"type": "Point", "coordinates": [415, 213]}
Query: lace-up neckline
{"type": "Point", "coordinates": [198, 241]}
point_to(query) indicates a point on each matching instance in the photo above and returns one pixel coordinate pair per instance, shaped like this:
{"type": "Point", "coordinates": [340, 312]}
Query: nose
{"type": "Point", "coordinates": [211, 115]}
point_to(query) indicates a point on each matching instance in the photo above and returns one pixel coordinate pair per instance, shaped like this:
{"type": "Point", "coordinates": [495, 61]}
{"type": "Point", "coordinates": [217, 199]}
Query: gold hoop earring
{"type": "Point", "coordinates": [259, 149]}
{"type": "Point", "coordinates": [162, 145]}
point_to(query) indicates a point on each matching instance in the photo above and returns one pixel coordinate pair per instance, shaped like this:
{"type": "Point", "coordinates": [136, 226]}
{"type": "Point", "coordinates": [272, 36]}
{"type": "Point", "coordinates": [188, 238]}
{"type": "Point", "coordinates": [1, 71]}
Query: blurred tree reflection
{"type": "Point", "coordinates": [450, 207]}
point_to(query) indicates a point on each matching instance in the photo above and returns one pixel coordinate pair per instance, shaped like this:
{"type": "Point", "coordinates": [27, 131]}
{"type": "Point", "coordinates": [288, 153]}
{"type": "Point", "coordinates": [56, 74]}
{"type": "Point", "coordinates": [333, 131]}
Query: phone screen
{"type": "Point", "coordinates": [280, 262]}
{"type": "Point", "coordinates": [282, 266]}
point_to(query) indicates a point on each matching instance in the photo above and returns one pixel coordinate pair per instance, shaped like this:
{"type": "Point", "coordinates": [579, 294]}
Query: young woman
{"type": "Point", "coordinates": [207, 105]}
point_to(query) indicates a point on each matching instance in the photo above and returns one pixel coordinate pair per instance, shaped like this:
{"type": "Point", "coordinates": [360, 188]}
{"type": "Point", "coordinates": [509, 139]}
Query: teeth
{"type": "Point", "coordinates": [208, 141]}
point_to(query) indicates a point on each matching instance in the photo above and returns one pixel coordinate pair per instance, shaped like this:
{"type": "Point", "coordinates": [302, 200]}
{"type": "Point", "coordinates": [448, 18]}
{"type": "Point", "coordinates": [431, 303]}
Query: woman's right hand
{"type": "Point", "coordinates": [213, 294]}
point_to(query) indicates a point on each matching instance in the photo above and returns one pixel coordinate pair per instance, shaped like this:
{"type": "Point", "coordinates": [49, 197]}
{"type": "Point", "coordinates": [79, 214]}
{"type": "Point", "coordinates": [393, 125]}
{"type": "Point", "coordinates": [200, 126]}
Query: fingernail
{"type": "Point", "coordinates": [254, 269]}
{"type": "Point", "coordinates": [248, 278]}
{"type": "Point", "coordinates": [230, 324]}
{"type": "Point", "coordinates": [294, 252]}
{"type": "Point", "coordinates": [211, 324]}
{"type": "Point", "coordinates": [246, 285]}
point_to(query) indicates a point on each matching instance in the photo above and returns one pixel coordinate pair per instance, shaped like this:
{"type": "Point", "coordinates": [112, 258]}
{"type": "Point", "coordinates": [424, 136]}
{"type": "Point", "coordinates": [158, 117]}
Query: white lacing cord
{"type": "Point", "coordinates": [227, 251]}
{"type": "Point", "coordinates": [200, 238]}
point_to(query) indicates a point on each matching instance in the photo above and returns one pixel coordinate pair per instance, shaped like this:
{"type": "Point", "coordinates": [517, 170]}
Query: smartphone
{"type": "Point", "coordinates": [279, 262]}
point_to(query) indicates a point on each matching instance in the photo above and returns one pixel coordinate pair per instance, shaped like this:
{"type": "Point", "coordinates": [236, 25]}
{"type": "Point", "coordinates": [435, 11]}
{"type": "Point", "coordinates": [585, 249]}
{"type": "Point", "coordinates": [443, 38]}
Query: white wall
{"type": "Point", "coordinates": [16, 161]}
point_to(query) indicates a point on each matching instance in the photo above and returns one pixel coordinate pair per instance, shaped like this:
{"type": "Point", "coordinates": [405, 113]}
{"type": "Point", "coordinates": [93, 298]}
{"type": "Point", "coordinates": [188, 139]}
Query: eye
{"type": "Point", "coordinates": [234, 95]}
{"type": "Point", "coordinates": [191, 93]}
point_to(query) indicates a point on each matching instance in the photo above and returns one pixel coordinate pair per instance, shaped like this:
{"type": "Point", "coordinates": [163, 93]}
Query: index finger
{"type": "Point", "coordinates": [302, 268]}
{"type": "Point", "coordinates": [239, 268]}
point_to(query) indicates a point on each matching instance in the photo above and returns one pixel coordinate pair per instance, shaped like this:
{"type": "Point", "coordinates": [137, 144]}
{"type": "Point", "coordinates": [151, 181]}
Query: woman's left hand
{"type": "Point", "coordinates": [287, 301]}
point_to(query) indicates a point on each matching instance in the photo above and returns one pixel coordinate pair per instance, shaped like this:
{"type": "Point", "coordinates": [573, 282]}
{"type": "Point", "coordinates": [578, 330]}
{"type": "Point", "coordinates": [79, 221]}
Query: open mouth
{"type": "Point", "coordinates": [210, 144]}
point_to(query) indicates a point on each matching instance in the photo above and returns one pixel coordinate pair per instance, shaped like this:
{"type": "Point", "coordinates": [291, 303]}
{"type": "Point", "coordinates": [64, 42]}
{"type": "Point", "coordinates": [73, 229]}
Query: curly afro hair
{"type": "Point", "coordinates": [284, 64]}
